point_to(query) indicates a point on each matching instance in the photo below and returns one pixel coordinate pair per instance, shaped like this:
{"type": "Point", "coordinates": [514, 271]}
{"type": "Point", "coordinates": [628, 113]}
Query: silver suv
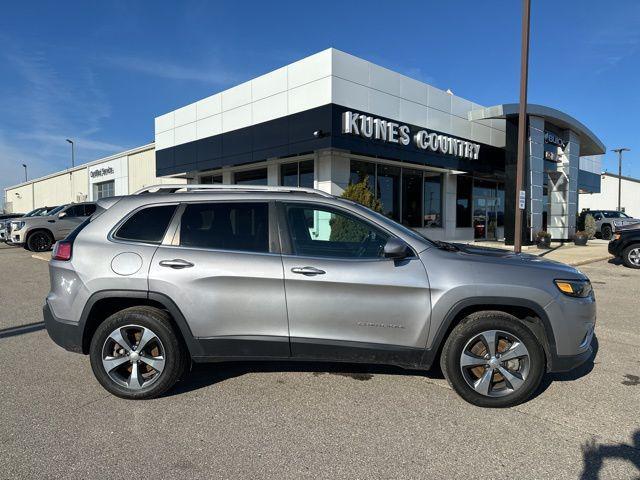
{"type": "Point", "coordinates": [38, 233]}
{"type": "Point", "coordinates": [215, 273]}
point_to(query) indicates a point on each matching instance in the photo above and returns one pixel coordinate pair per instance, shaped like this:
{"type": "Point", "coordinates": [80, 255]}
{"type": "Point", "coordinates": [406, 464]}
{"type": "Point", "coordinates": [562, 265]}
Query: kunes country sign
{"type": "Point", "coordinates": [373, 128]}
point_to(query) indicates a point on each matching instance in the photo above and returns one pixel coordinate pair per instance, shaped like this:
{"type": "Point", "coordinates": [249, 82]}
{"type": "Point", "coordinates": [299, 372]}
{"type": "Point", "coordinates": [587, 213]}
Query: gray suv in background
{"type": "Point", "coordinates": [607, 221]}
{"type": "Point", "coordinates": [215, 273]}
{"type": "Point", "coordinates": [40, 232]}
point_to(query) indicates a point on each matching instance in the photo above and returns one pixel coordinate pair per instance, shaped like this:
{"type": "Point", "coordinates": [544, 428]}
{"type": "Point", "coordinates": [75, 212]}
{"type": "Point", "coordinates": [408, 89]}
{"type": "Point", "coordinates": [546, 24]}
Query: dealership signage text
{"type": "Point", "coordinates": [100, 172]}
{"type": "Point", "coordinates": [374, 128]}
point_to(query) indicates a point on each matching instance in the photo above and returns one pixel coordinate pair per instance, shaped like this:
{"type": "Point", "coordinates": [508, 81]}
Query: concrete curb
{"type": "Point", "coordinates": [590, 260]}
{"type": "Point", "coordinates": [38, 256]}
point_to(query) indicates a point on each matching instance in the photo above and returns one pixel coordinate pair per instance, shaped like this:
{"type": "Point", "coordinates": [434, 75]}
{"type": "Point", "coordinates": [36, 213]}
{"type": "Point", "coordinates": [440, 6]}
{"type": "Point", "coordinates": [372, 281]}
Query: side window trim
{"type": "Point", "coordinates": [274, 238]}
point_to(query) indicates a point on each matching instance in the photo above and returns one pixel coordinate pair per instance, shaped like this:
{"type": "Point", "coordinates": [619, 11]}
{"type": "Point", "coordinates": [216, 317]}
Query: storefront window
{"type": "Point", "coordinates": [360, 170]}
{"type": "Point", "coordinates": [211, 179]}
{"type": "Point", "coordinates": [501, 204]}
{"type": "Point", "coordinates": [104, 189]}
{"type": "Point", "coordinates": [299, 174]}
{"type": "Point", "coordinates": [388, 190]}
{"type": "Point", "coordinates": [463, 201]}
{"type": "Point", "coordinates": [432, 199]}
{"type": "Point", "coordinates": [251, 177]}
{"type": "Point", "coordinates": [412, 198]}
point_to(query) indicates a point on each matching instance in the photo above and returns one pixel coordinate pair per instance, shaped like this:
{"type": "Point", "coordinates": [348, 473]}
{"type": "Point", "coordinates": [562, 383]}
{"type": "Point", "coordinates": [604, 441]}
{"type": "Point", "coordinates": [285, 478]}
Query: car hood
{"type": "Point", "coordinates": [507, 257]}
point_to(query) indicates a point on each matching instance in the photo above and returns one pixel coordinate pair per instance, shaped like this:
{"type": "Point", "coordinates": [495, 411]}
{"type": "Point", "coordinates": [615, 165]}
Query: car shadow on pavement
{"type": "Point", "coordinates": [579, 372]}
{"type": "Point", "coordinates": [594, 455]}
{"type": "Point", "coordinates": [206, 374]}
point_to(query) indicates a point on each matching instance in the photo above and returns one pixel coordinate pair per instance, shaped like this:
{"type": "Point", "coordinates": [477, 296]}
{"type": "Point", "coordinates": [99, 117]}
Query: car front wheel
{"type": "Point", "coordinates": [492, 360]}
{"type": "Point", "coordinates": [137, 354]}
{"type": "Point", "coordinates": [607, 232]}
{"type": "Point", "coordinates": [39, 241]}
{"type": "Point", "coordinates": [631, 256]}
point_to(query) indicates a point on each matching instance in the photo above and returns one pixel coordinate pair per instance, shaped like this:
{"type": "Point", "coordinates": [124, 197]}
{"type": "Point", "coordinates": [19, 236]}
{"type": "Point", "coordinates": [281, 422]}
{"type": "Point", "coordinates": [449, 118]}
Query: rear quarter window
{"type": "Point", "coordinates": [147, 225]}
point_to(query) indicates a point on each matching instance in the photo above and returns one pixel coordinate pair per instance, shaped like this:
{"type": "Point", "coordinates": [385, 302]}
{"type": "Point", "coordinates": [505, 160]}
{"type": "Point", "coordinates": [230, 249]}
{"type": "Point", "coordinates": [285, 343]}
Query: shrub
{"type": "Point", "coordinates": [343, 229]}
{"type": "Point", "coordinates": [590, 226]}
{"type": "Point", "coordinates": [543, 234]}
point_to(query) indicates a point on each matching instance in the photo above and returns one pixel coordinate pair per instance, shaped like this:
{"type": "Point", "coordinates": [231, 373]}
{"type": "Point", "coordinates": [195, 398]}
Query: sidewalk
{"type": "Point", "coordinates": [594, 251]}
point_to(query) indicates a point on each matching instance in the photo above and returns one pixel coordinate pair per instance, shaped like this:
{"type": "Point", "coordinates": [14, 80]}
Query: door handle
{"type": "Point", "coordinates": [176, 263]}
{"type": "Point", "coordinates": [308, 271]}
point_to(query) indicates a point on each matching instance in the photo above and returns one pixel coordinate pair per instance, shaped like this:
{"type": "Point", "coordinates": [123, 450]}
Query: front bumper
{"type": "Point", "coordinates": [564, 363]}
{"type": "Point", "coordinates": [614, 248]}
{"type": "Point", "coordinates": [67, 335]}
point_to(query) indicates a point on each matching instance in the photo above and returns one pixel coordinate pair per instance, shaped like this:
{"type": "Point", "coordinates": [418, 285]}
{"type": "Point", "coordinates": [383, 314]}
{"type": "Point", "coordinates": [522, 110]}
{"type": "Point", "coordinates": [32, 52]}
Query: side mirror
{"type": "Point", "coordinates": [62, 214]}
{"type": "Point", "coordinates": [395, 248]}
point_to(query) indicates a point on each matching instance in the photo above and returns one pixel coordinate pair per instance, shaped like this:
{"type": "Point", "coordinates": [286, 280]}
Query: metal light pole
{"type": "Point", "coordinates": [522, 122]}
{"type": "Point", "coordinates": [26, 178]}
{"type": "Point", "coordinates": [73, 153]}
{"type": "Point", "coordinates": [619, 152]}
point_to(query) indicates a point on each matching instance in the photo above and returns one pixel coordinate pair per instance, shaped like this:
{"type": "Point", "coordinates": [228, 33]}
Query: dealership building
{"type": "Point", "coordinates": [438, 163]}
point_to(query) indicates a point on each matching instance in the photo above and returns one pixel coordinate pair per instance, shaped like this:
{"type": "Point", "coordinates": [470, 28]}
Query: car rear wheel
{"type": "Point", "coordinates": [39, 241]}
{"type": "Point", "coordinates": [492, 360]}
{"type": "Point", "coordinates": [607, 232]}
{"type": "Point", "coordinates": [631, 256]}
{"type": "Point", "coordinates": [137, 354]}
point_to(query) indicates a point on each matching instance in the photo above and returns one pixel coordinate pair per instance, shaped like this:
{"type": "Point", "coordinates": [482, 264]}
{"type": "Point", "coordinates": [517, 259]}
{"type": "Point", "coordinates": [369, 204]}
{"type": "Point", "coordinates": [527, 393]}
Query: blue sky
{"type": "Point", "coordinates": [99, 72]}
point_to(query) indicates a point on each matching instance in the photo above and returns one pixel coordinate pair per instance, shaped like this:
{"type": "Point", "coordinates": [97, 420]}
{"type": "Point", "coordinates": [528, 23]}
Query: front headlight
{"type": "Point", "coordinates": [574, 288]}
{"type": "Point", "coordinates": [17, 225]}
{"type": "Point", "coordinates": [616, 236]}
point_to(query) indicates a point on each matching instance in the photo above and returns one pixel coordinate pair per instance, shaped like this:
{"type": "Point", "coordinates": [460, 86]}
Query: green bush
{"type": "Point", "coordinates": [590, 226]}
{"type": "Point", "coordinates": [342, 228]}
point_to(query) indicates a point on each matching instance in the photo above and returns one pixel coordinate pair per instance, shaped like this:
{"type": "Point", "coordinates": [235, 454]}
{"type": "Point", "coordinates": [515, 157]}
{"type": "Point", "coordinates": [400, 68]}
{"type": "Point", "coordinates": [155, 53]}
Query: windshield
{"type": "Point", "coordinates": [35, 212]}
{"type": "Point", "coordinates": [56, 210]}
{"type": "Point", "coordinates": [615, 215]}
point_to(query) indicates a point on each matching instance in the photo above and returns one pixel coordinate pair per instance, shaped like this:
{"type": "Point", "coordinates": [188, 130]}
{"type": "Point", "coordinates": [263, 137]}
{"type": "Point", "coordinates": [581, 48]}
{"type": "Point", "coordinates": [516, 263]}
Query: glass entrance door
{"type": "Point", "coordinates": [485, 210]}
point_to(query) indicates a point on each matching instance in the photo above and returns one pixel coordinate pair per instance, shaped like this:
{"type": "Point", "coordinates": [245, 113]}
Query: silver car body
{"type": "Point", "coordinates": [236, 304]}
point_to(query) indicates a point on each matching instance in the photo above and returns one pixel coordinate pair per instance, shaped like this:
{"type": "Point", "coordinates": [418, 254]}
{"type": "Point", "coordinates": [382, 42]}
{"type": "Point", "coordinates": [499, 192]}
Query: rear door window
{"type": "Point", "coordinates": [226, 226]}
{"type": "Point", "coordinates": [147, 225]}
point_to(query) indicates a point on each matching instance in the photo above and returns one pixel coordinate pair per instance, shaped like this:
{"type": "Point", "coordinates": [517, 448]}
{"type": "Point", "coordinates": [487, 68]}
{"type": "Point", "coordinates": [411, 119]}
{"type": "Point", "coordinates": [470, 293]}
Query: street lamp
{"type": "Point", "coordinates": [619, 152]}
{"type": "Point", "coordinates": [25, 172]}
{"type": "Point", "coordinates": [73, 153]}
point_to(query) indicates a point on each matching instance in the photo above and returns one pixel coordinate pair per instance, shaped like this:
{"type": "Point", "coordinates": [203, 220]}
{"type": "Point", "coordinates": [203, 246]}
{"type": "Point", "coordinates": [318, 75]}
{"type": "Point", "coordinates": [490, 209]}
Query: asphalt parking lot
{"type": "Point", "coordinates": [280, 420]}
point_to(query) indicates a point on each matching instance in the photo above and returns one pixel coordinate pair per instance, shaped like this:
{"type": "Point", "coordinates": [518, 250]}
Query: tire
{"type": "Point", "coordinates": [526, 377]}
{"type": "Point", "coordinates": [631, 256]}
{"type": "Point", "coordinates": [164, 350]}
{"type": "Point", "coordinates": [607, 232]}
{"type": "Point", "coordinates": [39, 241]}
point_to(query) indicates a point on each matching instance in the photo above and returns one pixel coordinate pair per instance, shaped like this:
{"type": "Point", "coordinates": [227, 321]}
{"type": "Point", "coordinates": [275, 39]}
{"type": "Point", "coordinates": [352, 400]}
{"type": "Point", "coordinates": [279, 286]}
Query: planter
{"type": "Point", "coordinates": [580, 241]}
{"type": "Point", "coordinates": [543, 242]}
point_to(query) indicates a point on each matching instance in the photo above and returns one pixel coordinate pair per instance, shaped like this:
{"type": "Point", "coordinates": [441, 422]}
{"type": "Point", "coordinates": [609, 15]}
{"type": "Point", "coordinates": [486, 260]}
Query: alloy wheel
{"type": "Point", "coordinates": [634, 256]}
{"type": "Point", "coordinates": [40, 242]}
{"type": "Point", "coordinates": [495, 363]}
{"type": "Point", "coordinates": [133, 356]}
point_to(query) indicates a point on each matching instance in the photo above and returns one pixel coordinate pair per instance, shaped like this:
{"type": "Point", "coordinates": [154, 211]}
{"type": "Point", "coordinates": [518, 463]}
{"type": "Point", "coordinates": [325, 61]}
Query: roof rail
{"type": "Point", "coordinates": [193, 187]}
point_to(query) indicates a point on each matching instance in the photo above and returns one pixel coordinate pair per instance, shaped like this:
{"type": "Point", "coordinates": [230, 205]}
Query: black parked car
{"type": "Point", "coordinates": [626, 245]}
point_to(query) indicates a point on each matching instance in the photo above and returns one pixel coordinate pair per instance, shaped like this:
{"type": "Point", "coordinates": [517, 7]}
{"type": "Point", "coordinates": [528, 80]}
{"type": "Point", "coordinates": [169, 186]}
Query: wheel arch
{"type": "Point", "coordinates": [105, 303]}
{"type": "Point", "coordinates": [526, 311]}
{"type": "Point", "coordinates": [39, 229]}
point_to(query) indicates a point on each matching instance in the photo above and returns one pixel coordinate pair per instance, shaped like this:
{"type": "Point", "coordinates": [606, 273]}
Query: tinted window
{"type": "Point", "coordinates": [89, 209]}
{"type": "Point", "coordinates": [147, 225]}
{"type": "Point", "coordinates": [251, 177]}
{"type": "Point", "coordinates": [320, 232]}
{"type": "Point", "coordinates": [75, 211]}
{"type": "Point", "coordinates": [226, 226]}
{"type": "Point", "coordinates": [463, 201]}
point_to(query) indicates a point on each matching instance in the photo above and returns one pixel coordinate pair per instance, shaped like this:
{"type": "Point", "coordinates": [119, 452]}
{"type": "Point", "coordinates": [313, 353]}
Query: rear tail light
{"type": "Point", "coordinates": [62, 251]}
